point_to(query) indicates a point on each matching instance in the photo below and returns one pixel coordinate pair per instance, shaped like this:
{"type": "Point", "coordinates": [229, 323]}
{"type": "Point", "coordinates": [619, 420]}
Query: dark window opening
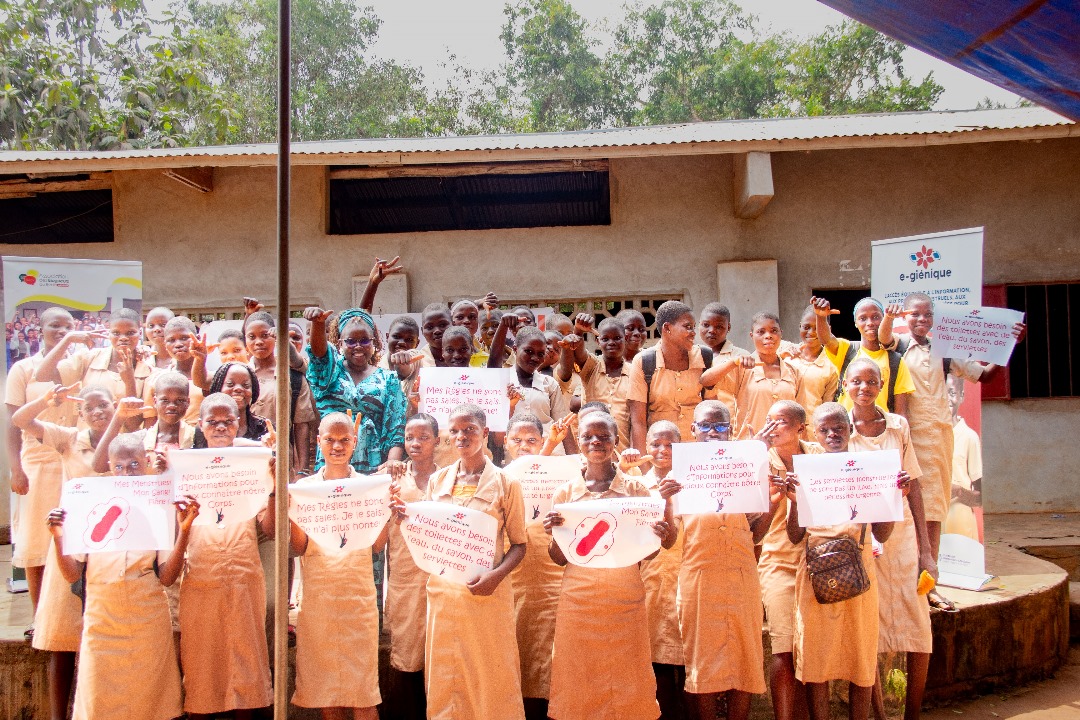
{"type": "Point", "coordinates": [52, 218]}
{"type": "Point", "coordinates": [842, 325]}
{"type": "Point", "coordinates": [1047, 363]}
{"type": "Point", "coordinates": [470, 202]}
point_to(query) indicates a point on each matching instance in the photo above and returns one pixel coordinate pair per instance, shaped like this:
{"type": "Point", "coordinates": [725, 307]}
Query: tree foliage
{"type": "Point", "coordinates": [85, 74]}
{"type": "Point", "coordinates": [92, 74]}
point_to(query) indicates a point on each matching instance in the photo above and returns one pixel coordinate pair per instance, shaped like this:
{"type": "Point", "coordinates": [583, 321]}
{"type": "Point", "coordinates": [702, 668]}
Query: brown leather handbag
{"type": "Point", "coordinates": [836, 569]}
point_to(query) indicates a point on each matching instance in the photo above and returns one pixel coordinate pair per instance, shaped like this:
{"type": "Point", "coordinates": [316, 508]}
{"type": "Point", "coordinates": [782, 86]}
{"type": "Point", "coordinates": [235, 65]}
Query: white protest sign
{"type": "Point", "coordinates": [721, 477]}
{"type": "Point", "coordinates": [856, 487]}
{"type": "Point", "coordinates": [962, 563]}
{"type": "Point", "coordinates": [540, 476]}
{"type": "Point", "coordinates": [443, 389]}
{"type": "Point", "coordinates": [982, 333]}
{"type": "Point", "coordinates": [231, 484]}
{"type": "Point", "coordinates": [110, 514]}
{"type": "Point", "coordinates": [947, 266]}
{"type": "Point", "coordinates": [453, 542]}
{"type": "Point", "coordinates": [343, 514]}
{"type": "Point", "coordinates": [609, 533]}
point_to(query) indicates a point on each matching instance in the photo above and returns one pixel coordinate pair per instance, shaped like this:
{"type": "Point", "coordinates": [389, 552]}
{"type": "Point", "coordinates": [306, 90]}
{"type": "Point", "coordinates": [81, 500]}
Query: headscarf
{"type": "Point", "coordinates": [346, 316]}
{"type": "Point", "coordinates": [855, 312]}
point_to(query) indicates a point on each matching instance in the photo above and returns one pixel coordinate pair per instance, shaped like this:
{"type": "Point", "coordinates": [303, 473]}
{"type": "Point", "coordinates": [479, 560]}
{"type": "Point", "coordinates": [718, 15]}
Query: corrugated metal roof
{"type": "Point", "coordinates": [726, 136]}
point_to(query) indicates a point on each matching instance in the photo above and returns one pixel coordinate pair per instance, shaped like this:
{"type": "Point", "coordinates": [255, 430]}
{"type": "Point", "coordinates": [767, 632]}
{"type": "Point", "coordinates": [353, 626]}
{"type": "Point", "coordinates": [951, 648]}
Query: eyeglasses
{"type": "Point", "coordinates": [354, 342]}
{"type": "Point", "coordinates": [712, 427]}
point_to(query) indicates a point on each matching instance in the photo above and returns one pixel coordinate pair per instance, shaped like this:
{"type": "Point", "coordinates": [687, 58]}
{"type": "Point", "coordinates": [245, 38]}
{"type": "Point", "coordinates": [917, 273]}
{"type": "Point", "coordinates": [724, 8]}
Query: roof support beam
{"type": "Point", "coordinates": [26, 188]}
{"type": "Point", "coordinates": [464, 169]}
{"type": "Point", "coordinates": [196, 178]}
{"type": "Point", "coordinates": [753, 184]}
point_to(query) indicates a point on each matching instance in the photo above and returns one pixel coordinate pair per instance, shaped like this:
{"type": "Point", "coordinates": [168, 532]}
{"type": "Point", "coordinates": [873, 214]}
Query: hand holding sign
{"type": "Point", "coordinates": [985, 334]}
{"type": "Point", "coordinates": [451, 542]}
{"type": "Point", "coordinates": [857, 487]}
{"type": "Point", "coordinates": [608, 533]}
{"type": "Point", "coordinates": [231, 484]}
{"type": "Point", "coordinates": [721, 477]}
{"type": "Point", "coordinates": [341, 515]}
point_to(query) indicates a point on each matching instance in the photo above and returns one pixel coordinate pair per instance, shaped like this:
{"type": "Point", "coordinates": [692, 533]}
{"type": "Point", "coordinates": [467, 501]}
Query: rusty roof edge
{"type": "Point", "coordinates": [264, 155]}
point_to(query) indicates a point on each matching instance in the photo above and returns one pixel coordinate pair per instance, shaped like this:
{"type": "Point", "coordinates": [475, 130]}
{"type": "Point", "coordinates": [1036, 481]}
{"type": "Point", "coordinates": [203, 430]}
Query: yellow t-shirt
{"type": "Point", "coordinates": [904, 383]}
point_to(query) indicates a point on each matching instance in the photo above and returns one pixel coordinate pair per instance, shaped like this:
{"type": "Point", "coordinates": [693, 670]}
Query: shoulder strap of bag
{"type": "Point", "coordinates": [707, 358]}
{"type": "Point", "coordinates": [862, 535]}
{"type": "Point", "coordinates": [648, 364]}
{"type": "Point", "coordinates": [852, 351]}
{"type": "Point", "coordinates": [296, 384]}
{"type": "Point", "coordinates": [894, 369]}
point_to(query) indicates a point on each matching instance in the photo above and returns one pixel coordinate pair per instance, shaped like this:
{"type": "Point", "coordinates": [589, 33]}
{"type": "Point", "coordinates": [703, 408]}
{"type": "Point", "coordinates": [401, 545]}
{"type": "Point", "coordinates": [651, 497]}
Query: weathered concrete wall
{"type": "Point", "coordinates": [672, 222]}
{"type": "Point", "coordinates": [1030, 454]}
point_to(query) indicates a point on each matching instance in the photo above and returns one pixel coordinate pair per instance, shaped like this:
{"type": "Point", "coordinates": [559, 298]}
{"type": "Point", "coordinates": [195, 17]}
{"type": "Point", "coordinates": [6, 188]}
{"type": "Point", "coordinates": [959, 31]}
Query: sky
{"type": "Point", "coordinates": [424, 33]}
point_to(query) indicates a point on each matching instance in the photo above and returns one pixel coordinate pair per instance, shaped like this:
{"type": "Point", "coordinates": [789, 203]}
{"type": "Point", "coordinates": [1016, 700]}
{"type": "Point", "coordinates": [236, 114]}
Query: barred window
{"type": "Point", "coordinates": [1047, 363]}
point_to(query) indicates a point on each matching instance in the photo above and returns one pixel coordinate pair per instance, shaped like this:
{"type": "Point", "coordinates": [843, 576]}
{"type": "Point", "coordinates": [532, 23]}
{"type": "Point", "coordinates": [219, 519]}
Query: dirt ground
{"type": "Point", "coordinates": [1057, 698]}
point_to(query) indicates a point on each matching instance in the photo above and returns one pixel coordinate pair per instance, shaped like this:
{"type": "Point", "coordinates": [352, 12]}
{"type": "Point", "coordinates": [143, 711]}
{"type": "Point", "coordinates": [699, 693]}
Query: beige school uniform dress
{"type": "Point", "coordinates": [720, 611]}
{"type": "Point", "coordinates": [778, 564]}
{"type": "Point", "coordinates": [931, 423]}
{"type": "Point", "coordinates": [222, 621]}
{"type": "Point", "coordinates": [471, 656]}
{"type": "Point", "coordinates": [903, 386]}
{"type": "Point", "coordinates": [337, 629]}
{"type": "Point", "coordinates": [152, 445]}
{"type": "Point", "coordinates": [602, 668]}
{"type": "Point", "coordinates": [837, 641]}
{"type": "Point", "coordinates": [661, 578]}
{"type": "Point", "coordinates": [42, 464]}
{"type": "Point", "coordinates": [904, 624]}
{"type": "Point", "coordinates": [537, 582]}
{"type": "Point", "coordinates": [820, 381]}
{"type": "Point", "coordinates": [720, 392]}
{"type": "Point", "coordinates": [93, 368]}
{"type": "Point", "coordinates": [755, 394]}
{"type": "Point", "coordinates": [58, 621]}
{"type": "Point", "coordinates": [966, 469]}
{"type": "Point", "coordinates": [672, 395]}
{"type": "Point", "coordinates": [127, 661]}
{"type": "Point", "coordinates": [406, 592]}
{"type": "Point", "coordinates": [598, 385]}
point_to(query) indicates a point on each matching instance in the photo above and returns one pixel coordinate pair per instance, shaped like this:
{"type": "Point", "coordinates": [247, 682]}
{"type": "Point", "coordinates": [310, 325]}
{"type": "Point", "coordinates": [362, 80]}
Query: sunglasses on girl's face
{"type": "Point", "coordinates": [354, 342]}
{"type": "Point", "coordinates": [706, 427]}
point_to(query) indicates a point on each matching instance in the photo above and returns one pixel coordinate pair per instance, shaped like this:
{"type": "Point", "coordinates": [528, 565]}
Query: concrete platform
{"type": "Point", "coordinates": [1000, 638]}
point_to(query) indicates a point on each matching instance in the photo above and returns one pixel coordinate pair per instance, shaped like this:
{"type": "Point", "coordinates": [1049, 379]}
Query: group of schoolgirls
{"type": "Point", "coordinates": [534, 636]}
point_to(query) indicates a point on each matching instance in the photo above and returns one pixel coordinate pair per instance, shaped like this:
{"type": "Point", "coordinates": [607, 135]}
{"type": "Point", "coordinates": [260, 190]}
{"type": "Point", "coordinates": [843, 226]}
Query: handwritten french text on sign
{"type": "Point", "coordinates": [455, 543]}
{"type": "Point", "coordinates": [857, 487]}
{"type": "Point", "coordinates": [721, 477]}
{"type": "Point", "coordinates": [443, 389]}
{"type": "Point", "coordinates": [109, 514]}
{"type": "Point", "coordinates": [231, 484]}
{"type": "Point", "coordinates": [983, 333]}
{"type": "Point", "coordinates": [947, 266]}
{"type": "Point", "coordinates": [341, 515]}
{"type": "Point", "coordinates": [609, 533]}
{"type": "Point", "coordinates": [540, 476]}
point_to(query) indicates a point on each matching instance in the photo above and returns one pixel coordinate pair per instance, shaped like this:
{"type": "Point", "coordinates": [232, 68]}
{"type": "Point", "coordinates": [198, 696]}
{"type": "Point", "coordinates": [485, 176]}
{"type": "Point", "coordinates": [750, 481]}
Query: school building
{"type": "Point", "coordinates": [759, 214]}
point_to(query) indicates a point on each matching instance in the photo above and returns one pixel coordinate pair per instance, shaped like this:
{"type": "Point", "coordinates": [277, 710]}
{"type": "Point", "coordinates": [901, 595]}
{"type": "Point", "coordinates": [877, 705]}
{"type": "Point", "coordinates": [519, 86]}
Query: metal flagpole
{"type": "Point", "coordinates": [284, 396]}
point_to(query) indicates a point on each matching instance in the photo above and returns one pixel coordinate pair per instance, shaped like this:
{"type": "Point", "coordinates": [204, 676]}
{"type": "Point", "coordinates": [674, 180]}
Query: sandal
{"type": "Point", "coordinates": [940, 602]}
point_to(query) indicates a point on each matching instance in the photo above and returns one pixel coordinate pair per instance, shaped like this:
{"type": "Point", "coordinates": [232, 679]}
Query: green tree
{"type": "Point", "coordinates": [554, 65]}
{"type": "Point", "coordinates": [338, 89]}
{"type": "Point", "coordinates": [694, 60]}
{"type": "Point", "coordinates": [87, 74]}
{"type": "Point", "coordinates": [851, 68]}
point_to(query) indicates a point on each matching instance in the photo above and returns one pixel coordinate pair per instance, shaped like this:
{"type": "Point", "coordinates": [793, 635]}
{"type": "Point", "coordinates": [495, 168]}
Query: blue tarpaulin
{"type": "Point", "coordinates": [1030, 47]}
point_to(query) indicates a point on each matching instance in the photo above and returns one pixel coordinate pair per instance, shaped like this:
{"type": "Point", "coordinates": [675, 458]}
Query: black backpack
{"type": "Point", "coordinates": [648, 364]}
